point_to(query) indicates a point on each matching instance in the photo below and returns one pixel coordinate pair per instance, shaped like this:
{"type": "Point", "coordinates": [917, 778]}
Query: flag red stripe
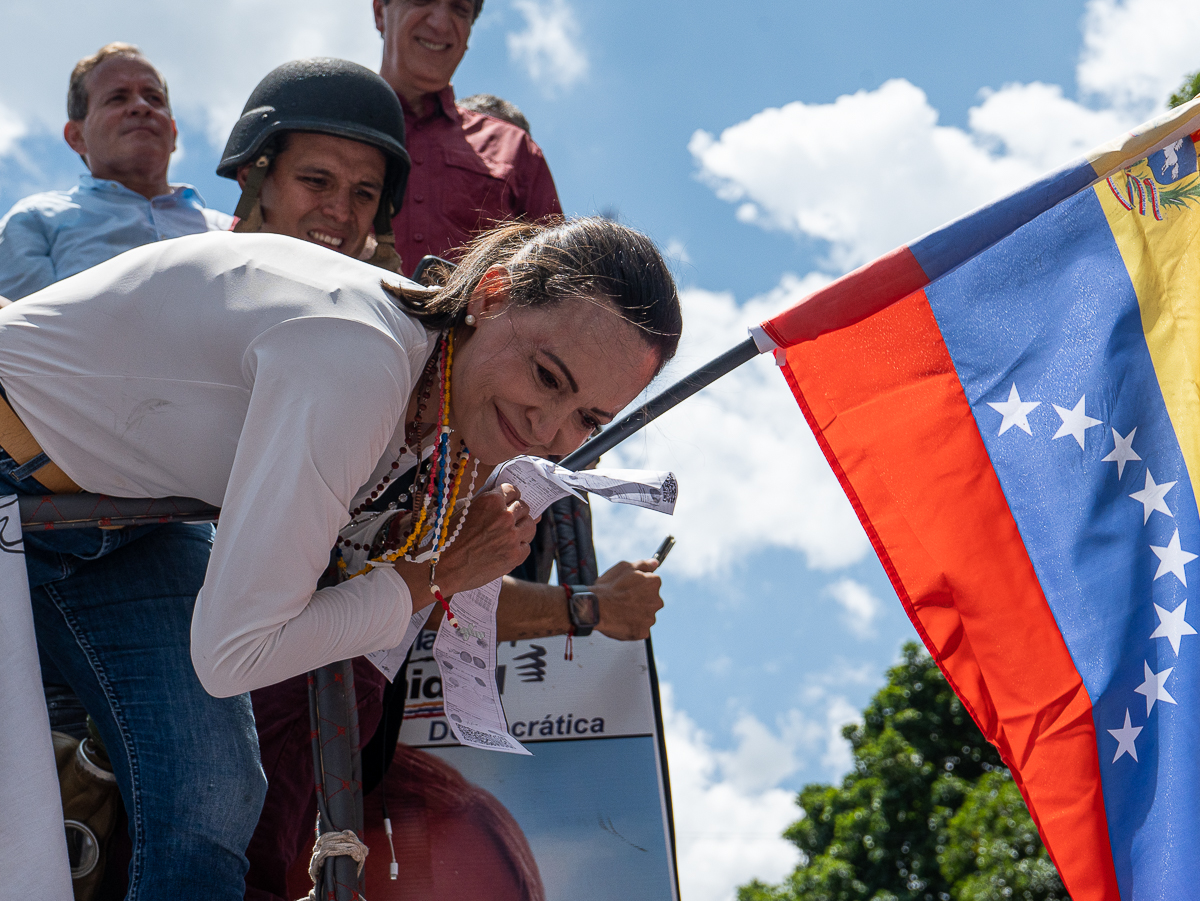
{"type": "Point", "coordinates": [886, 405]}
{"type": "Point", "coordinates": [850, 299]}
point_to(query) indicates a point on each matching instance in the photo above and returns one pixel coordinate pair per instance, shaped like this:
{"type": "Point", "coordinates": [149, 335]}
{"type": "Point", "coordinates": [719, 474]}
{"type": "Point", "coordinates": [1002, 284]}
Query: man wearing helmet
{"type": "Point", "coordinates": [319, 153]}
{"type": "Point", "coordinates": [470, 170]}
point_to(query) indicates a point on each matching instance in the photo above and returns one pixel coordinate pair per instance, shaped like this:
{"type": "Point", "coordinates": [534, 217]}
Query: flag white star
{"type": "Point", "coordinates": [1015, 412]}
{"type": "Point", "coordinates": [1172, 625]}
{"type": "Point", "coordinates": [1074, 422]}
{"type": "Point", "coordinates": [1154, 688]}
{"type": "Point", "coordinates": [1172, 559]}
{"type": "Point", "coordinates": [1125, 737]}
{"type": "Point", "coordinates": [1152, 497]}
{"type": "Point", "coordinates": [1122, 453]}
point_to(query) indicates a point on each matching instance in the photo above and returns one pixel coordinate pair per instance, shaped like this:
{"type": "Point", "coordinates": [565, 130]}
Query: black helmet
{"type": "Point", "coordinates": [328, 96]}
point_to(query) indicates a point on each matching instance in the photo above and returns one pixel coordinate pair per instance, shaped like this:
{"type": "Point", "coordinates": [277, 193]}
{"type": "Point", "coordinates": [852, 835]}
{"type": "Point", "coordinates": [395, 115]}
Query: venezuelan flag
{"type": "Point", "coordinates": [1014, 413]}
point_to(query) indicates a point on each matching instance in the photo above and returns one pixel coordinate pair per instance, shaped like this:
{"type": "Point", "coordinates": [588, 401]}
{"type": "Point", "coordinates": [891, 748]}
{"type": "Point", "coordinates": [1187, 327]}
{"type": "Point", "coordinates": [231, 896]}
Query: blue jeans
{"type": "Point", "coordinates": [113, 612]}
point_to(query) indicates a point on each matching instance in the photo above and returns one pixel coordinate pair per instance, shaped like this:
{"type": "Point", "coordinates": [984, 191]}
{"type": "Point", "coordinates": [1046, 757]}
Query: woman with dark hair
{"type": "Point", "coordinates": [287, 384]}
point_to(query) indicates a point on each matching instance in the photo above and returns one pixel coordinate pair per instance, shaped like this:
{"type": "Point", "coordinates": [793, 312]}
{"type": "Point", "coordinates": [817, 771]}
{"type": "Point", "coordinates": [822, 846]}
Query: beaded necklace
{"type": "Point", "coordinates": [437, 486]}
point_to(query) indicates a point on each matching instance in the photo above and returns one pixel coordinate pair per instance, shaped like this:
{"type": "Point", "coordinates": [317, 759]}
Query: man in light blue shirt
{"type": "Point", "coordinates": [121, 126]}
{"type": "Point", "coordinates": [119, 122]}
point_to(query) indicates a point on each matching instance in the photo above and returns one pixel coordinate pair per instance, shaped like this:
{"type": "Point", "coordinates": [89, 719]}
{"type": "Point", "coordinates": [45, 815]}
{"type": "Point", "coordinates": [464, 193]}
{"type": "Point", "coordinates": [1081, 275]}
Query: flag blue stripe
{"type": "Point", "coordinates": [940, 251]}
{"type": "Point", "coordinates": [1051, 310]}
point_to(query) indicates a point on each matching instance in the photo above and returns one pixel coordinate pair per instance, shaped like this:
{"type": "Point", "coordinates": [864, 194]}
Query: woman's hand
{"type": "Point", "coordinates": [494, 539]}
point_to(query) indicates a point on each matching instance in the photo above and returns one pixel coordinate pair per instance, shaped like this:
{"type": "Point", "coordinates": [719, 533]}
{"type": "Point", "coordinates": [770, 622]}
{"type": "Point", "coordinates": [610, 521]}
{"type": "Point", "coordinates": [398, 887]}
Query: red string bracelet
{"type": "Point", "coordinates": [450, 617]}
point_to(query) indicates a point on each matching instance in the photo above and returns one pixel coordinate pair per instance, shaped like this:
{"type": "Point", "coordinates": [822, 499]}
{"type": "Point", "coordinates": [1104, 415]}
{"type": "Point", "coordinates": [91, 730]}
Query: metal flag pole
{"type": "Point", "coordinates": [590, 452]}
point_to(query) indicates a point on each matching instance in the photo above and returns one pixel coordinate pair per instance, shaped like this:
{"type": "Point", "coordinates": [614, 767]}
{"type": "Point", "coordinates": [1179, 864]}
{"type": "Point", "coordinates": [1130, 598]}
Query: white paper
{"type": "Point", "coordinates": [466, 657]}
{"type": "Point", "coordinates": [537, 480]}
{"type": "Point", "coordinates": [642, 488]}
{"type": "Point", "coordinates": [33, 842]}
{"type": "Point", "coordinates": [541, 483]}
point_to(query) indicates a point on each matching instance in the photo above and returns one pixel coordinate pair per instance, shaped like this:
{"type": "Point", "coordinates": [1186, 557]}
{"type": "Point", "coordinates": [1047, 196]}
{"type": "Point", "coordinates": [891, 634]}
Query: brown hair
{"type": "Point", "coordinates": [77, 95]}
{"type": "Point", "coordinates": [557, 259]}
{"type": "Point", "coordinates": [421, 782]}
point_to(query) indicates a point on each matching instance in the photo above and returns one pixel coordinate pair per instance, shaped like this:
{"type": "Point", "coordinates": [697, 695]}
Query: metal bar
{"type": "Point", "coordinates": [652, 409]}
{"type": "Point", "coordinates": [333, 712]}
{"type": "Point", "coordinates": [40, 513]}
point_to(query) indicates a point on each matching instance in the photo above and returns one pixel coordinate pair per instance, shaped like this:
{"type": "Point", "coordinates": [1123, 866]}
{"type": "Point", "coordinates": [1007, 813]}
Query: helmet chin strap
{"type": "Point", "coordinates": [385, 256]}
{"type": "Point", "coordinates": [248, 215]}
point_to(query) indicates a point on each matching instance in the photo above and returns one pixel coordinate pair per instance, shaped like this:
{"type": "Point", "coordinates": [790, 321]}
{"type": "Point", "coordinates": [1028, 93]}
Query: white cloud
{"type": "Point", "coordinates": [874, 170]}
{"type": "Point", "coordinates": [726, 834]}
{"type": "Point", "coordinates": [1036, 124]}
{"type": "Point", "coordinates": [676, 252]}
{"type": "Point", "coordinates": [838, 756]}
{"type": "Point", "coordinates": [12, 129]}
{"type": "Point", "coordinates": [729, 809]}
{"type": "Point", "coordinates": [1137, 52]}
{"type": "Point", "coordinates": [860, 605]}
{"type": "Point", "coordinates": [750, 473]}
{"type": "Point", "coordinates": [548, 47]}
{"type": "Point", "coordinates": [866, 173]}
{"type": "Point", "coordinates": [762, 759]}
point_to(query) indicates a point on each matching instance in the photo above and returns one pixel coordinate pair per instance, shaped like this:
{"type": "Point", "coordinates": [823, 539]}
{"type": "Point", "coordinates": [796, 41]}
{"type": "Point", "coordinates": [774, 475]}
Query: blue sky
{"type": "Point", "coordinates": [768, 147]}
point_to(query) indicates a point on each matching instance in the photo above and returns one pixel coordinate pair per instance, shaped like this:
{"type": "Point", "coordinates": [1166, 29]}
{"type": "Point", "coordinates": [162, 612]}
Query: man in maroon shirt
{"type": "Point", "coordinates": [469, 170]}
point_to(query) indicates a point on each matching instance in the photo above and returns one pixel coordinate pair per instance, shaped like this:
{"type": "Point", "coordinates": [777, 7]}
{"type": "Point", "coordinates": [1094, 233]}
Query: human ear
{"type": "Point", "coordinates": [242, 172]}
{"type": "Point", "coordinates": [73, 135]}
{"type": "Point", "coordinates": [490, 296]}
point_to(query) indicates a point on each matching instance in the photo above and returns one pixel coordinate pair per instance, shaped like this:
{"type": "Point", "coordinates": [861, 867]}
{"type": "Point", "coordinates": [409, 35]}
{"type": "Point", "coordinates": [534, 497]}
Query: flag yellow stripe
{"type": "Point", "coordinates": [1163, 261]}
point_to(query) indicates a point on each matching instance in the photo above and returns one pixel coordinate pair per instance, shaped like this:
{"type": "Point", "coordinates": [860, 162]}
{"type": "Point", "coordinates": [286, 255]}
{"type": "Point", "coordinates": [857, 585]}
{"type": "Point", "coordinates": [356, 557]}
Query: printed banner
{"type": "Point", "coordinates": [586, 818]}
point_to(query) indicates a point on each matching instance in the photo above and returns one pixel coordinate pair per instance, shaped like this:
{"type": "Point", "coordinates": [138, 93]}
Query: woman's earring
{"type": "Point", "coordinates": [469, 319]}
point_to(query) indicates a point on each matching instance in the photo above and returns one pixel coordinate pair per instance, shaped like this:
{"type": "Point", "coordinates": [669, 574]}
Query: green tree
{"type": "Point", "coordinates": [1189, 89]}
{"type": "Point", "coordinates": [929, 812]}
{"type": "Point", "coordinates": [993, 849]}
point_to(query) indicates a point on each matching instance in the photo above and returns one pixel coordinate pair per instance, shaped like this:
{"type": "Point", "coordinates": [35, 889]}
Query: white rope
{"type": "Point", "coordinates": [335, 844]}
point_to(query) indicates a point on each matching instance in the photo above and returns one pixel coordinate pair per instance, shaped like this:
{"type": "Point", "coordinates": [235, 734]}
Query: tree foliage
{"type": "Point", "coordinates": [929, 812]}
{"type": "Point", "coordinates": [1189, 89]}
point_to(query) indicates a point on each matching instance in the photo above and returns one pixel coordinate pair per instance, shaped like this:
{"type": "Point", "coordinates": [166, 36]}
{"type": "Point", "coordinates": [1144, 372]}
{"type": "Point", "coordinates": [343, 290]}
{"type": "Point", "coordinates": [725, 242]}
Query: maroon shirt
{"type": "Point", "coordinates": [469, 172]}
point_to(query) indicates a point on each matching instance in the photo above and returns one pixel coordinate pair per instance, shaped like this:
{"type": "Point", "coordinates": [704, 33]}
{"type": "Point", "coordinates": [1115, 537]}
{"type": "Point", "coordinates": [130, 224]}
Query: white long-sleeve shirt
{"type": "Point", "coordinates": [261, 373]}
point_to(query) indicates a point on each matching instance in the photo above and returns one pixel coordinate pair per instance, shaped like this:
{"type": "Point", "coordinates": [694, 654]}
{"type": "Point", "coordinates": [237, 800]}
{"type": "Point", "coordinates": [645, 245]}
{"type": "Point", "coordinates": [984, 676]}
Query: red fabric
{"type": "Point", "coordinates": [469, 171]}
{"type": "Point", "coordinates": [285, 828]}
{"type": "Point", "coordinates": [850, 299]}
{"type": "Point", "coordinates": [886, 405]}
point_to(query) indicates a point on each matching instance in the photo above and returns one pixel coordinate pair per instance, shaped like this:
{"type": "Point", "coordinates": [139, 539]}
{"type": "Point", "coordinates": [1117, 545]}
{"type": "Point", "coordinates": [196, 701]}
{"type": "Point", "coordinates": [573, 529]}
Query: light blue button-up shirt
{"type": "Point", "coordinates": [47, 237]}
